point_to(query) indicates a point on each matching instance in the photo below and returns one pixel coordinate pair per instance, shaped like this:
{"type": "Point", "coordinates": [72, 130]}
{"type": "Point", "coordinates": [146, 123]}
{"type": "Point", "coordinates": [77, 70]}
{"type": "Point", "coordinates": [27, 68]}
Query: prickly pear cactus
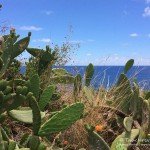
{"type": "Point", "coordinates": [46, 97]}
{"type": "Point", "coordinates": [65, 79]}
{"type": "Point", "coordinates": [46, 58]}
{"type": "Point", "coordinates": [12, 48]}
{"type": "Point", "coordinates": [36, 113]}
{"type": "Point", "coordinates": [95, 140]}
{"type": "Point", "coordinates": [89, 74]}
{"type": "Point", "coordinates": [59, 72]}
{"type": "Point", "coordinates": [128, 121]}
{"type": "Point", "coordinates": [145, 125]}
{"type": "Point", "coordinates": [77, 86]}
{"type": "Point", "coordinates": [35, 85]}
{"type": "Point", "coordinates": [123, 94]}
{"type": "Point", "coordinates": [24, 116]}
{"type": "Point", "coordinates": [128, 65]}
{"type": "Point", "coordinates": [63, 119]}
{"type": "Point", "coordinates": [123, 141]}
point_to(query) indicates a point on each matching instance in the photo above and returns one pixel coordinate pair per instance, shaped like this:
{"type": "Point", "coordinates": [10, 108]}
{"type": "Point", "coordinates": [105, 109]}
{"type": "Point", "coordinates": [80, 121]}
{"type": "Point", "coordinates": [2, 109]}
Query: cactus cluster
{"type": "Point", "coordinates": [25, 99]}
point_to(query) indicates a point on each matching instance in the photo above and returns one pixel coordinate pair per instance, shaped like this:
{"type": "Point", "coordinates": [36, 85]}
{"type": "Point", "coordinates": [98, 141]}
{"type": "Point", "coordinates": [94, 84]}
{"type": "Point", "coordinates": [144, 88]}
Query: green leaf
{"type": "Point", "coordinates": [46, 96]}
{"type": "Point", "coordinates": [63, 119]}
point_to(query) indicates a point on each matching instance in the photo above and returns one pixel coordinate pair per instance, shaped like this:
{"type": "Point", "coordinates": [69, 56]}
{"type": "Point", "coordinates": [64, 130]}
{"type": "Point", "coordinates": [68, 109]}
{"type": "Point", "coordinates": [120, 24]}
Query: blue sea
{"type": "Point", "coordinates": [107, 75]}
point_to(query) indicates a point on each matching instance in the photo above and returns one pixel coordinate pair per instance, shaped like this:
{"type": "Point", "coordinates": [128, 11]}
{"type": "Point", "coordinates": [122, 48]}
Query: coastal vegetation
{"type": "Point", "coordinates": [48, 108]}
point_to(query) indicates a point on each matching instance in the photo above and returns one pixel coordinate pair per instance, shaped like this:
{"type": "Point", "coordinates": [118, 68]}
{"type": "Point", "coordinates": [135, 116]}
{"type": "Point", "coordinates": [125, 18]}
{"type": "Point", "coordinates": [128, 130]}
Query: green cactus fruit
{"type": "Point", "coordinates": [24, 116]}
{"type": "Point", "coordinates": [147, 96]}
{"type": "Point", "coordinates": [15, 102]}
{"type": "Point", "coordinates": [65, 79]}
{"type": "Point", "coordinates": [95, 140]}
{"type": "Point", "coordinates": [19, 82]}
{"type": "Point", "coordinates": [12, 145]}
{"type": "Point", "coordinates": [35, 85]}
{"type": "Point", "coordinates": [46, 96]}
{"type": "Point", "coordinates": [42, 147]}
{"type": "Point", "coordinates": [36, 114]}
{"type": "Point", "coordinates": [8, 97]}
{"type": "Point", "coordinates": [89, 74]}
{"type": "Point", "coordinates": [34, 142]}
{"type": "Point", "coordinates": [20, 46]}
{"type": "Point", "coordinates": [55, 96]}
{"type": "Point", "coordinates": [77, 85]}
{"type": "Point", "coordinates": [128, 65]}
{"type": "Point", "coordinates": [19, 90]}
{"type": "Point", "coordinates": [24, 90]}
{"type": "Point", "coordinates": [123, 141]}
{"type": "Point", "coordinates": [3, 84]}
{"type": "Point", "coordinates": [29, 34]}
{"type": "Point", "coordinates": [128, 122]}
{"type": "Point", "coordinates": [7, 90]}
{"type": "Point", "coordinates": [1, 63]}
{"type": "Point", "coordinates": [63, 119]}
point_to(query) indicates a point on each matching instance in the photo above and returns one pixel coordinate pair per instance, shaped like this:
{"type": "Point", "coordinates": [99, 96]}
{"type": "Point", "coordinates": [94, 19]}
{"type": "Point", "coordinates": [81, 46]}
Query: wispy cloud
{"type": "Point", "coordinates": [81, 41]}
{"type": "Point", "coordinates": [30, 28]}
{"type": "Point", "coordinates": [147, 1]}
{"type": "Point", "coordinates": [44, 40]}
{"type": "Point", "coordinates": [88, 54]}
{"type": "Point", "coordinates": [134, 35]}
{"type": "Point", "coordinates": [90, 40]}
{"type": "Point", "coordinates": [47, 12]}
{"type": "Point", "coordinates": [77, 41]}
{"type": "Point", "coordinates": [146, 12]}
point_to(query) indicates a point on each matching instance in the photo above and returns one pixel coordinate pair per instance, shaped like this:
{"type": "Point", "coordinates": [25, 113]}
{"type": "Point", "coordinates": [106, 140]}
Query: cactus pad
{"type": "Point", "coordinates": [63, 119]}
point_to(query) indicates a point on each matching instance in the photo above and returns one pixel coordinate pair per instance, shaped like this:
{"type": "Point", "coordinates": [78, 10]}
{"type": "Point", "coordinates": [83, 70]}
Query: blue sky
{"type": "Point", "coordinates": [109, 31]}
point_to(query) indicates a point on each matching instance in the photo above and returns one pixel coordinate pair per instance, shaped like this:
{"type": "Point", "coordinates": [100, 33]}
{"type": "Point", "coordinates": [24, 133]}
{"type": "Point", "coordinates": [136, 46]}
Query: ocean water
{"type": "Point", "coordinates": [107, 75]}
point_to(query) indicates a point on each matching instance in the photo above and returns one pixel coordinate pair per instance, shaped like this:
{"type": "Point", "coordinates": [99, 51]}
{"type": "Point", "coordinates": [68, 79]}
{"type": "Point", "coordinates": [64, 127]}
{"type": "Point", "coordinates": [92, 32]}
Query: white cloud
{"type": "Point", "coordinates": [146, 12]}
{"type": "Point", "coordinates": [147, 1]}
{"type": "Point", "coordinates": [47, 12]}
{"type": "Point", "coordinates": [76, 41]}
{"type": "Point", "coordinates": [121, 60]}
{"type": "Point", "coordinates": [134, 35]}
{"type": "Point", "coordinates": [88, 54]}
{"type": "Point", "coordinates": [90, 40]}
{"type": "Point", "coordinates": [44, 40]}
{"type": "Point", "coordinates": [30, 28]}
